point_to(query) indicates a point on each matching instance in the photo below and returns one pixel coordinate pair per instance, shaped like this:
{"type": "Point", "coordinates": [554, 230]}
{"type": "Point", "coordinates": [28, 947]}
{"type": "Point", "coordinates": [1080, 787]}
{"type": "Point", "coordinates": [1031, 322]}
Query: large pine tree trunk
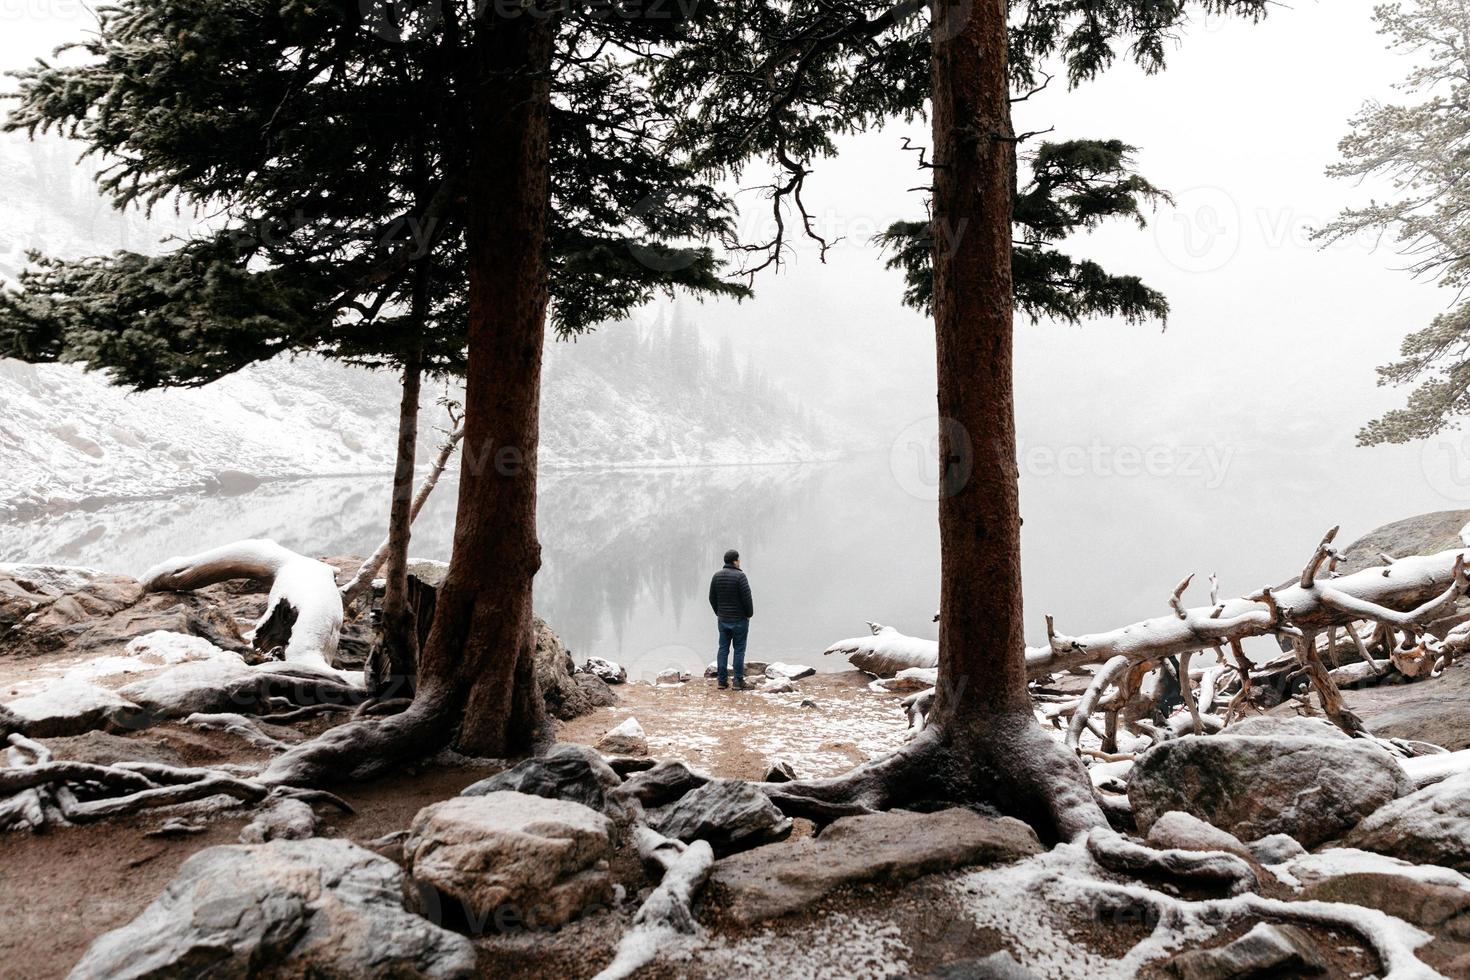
{"type": "Point", "coordinates": [994, 748]}
{"type": "Point", "coordinates": [981, 637]}
{"type": "Point", "coordinates": [476, 679]}
{"type": "Point", "coordinates": [983, 743]}
{"type": "Point", "coordinates": [392, 665]}
{"type": "Point", "coordinates": [479, 657]}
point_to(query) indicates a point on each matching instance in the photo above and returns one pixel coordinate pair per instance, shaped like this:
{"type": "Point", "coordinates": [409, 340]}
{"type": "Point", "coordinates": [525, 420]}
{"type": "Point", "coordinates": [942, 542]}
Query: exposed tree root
{"type": "Point", "coordinates": [1210, 868]}
{"type": "Point", "coordinates": [50, 793]}
{"type": "Point", "coordinates": [1010, 764]}
{"type": "Point", "coordinates": [238, 725]}
{"type": "Point", "coordinates": [368, 747]}
{"type": "Point", "coordinates": [668, 912]}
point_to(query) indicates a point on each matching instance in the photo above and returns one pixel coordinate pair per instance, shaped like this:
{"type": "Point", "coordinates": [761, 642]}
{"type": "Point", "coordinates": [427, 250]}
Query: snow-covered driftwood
{"type": "Point", "coordinates": [1408, 594]}
{"type": "Point", "coordinates": [887, 651]}
{"type": "Point", "coordinates": [304, 608]}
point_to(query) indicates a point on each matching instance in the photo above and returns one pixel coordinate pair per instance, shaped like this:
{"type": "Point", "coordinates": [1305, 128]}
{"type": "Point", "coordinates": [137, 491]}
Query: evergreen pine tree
{"type": "Point", "coordinates": [388, 184]}
{"type": "Point", "coordinates": [778, 83]}
{"type": "Point", "coordinates": [1417, 145]}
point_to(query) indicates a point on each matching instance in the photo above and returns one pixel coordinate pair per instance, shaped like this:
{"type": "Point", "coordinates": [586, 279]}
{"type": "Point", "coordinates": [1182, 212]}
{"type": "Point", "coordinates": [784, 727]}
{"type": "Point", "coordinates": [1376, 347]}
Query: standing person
{"type": "Point", "coordinates": [729, 597]}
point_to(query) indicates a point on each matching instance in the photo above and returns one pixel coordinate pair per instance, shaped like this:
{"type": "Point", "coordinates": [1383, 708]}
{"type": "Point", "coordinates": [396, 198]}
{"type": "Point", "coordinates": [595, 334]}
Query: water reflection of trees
{"type": "Point", "coordinates": [613, 542]}
{"type": "Point", "coordinates": [616, 542]}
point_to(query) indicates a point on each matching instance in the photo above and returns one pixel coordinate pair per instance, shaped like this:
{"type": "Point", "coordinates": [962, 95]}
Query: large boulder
{"type": "Point", "coordinates": [1431, 826]}
{"type": "Point", "coordinates": [71, 707]}
{"type": "Point", "coordinates": [1312, 789]}
{"type": "Point", "coordinates": [542, 861]}
{"type": "Point", "coordinates": [729, 813]}
{"type": "Point", "coordinates": [567, 771]}
{"type": "Point", "coordinates": [780, 879]}
{"type": "Point", "coordinates": [310, 908]}
{"type": "Point", "coordinates": [29, 592]}
{"type": "Point", "coordinates": [567, 693]}
{"type": "Point", "coordinates": [1435, 711]}
{"type": "Point", "coordinates": [99, 613]}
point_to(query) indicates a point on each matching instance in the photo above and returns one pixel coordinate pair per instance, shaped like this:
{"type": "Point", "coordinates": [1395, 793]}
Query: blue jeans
{"type": "Point", "coordinates": [735, 630]}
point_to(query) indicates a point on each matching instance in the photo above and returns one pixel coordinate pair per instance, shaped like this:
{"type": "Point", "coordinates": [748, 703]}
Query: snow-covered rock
{"type": "Point", "coordinates": [71, 707]}
{"type": "Point", "coordinates": [285, 819]}
{"type": "Point", "coordinates": [672, 676]}
{"type": "Point", "coordinates": [776, 685]}
{"type": "Point", "coordinates": [545, 859]}
{"type": "Point", "coordinates": [1430, 826]}
{"type": "Point", "coordinates": [627, 738]}
{"type": "Point", "coordinates": [790, 672]}
{"type": "Point", "coordinates": [606, 670]}
{"type": "Point", "coordinates": [167, 648]}
{"type": "Point", "coordinates": [1180, 831]}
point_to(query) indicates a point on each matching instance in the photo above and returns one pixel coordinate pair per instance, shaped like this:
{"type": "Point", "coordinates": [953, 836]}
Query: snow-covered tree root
{"type": "Point", "coordinates": [1030, 904]}
{"type": "Point", "coordinates": [303, 611]}
{"type": "Point", "coordinates": [49, 793]}
{"type": "Point", "coordinates": [1005, 760]}
{"type": "Point", "coordinates": [667, 915]}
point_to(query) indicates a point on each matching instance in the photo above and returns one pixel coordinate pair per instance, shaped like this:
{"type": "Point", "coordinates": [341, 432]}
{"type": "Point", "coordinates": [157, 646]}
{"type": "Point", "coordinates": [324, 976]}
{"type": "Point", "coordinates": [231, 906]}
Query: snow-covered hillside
{"type": "Point", "coordinates": [68, 438]}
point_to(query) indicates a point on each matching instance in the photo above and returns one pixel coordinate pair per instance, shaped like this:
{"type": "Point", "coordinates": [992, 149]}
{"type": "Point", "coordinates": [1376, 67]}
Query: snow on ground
{"type": "Point", "coordinates": [743, 732]}
{"type": "Point", "coordinates": [146, 654]}
{"type": "Point", "coordinates": [838, 947]}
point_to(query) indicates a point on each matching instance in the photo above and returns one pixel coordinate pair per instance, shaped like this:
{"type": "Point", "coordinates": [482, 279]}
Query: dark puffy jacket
{"type": "Point", "coordinates": [729, 594]}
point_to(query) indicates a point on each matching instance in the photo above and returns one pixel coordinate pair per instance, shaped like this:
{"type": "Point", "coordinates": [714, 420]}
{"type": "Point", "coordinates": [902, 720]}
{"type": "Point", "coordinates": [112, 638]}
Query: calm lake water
{"type": "Point", "coordinates": [628, 553]}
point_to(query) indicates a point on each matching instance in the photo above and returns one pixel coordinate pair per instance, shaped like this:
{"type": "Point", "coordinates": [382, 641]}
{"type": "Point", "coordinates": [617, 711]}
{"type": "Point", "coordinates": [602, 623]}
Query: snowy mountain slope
{"type": "Point", "coordinates": [630, 394]}
{"type": "Point", "coordinates": [68, 437]}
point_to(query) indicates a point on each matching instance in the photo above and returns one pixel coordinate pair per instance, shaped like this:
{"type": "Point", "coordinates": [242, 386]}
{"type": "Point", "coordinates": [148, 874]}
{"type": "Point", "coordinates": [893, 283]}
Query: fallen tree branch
{"type": "Point", "coordinates": [362, 579]}
{"type": "Point", "coordinates": [1406, 592]}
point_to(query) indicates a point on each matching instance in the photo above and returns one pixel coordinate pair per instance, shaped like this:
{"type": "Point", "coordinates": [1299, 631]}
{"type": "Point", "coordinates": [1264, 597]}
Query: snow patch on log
{"type": "Point", "coordinates": [887, 651]}
{"type": "Point", "coordinates": [300, 586]}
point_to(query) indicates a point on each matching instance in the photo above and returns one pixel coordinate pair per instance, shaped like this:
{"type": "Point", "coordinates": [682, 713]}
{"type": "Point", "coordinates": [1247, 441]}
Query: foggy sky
{"type": "Point", "coordinates": [1271, 338]}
